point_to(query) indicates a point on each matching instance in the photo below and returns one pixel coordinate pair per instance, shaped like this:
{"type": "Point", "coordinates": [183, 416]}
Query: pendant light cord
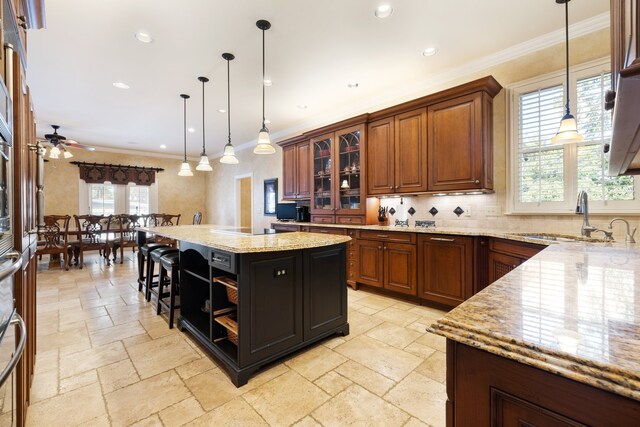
{"type": "Point", "coordinates": [263, 90]}
{"type": "Point", "coordinates": [185, 129]}
{"type": "Point", "coordinates": [204, 153]}
{"type": "Point", "coordinates": [229, 100]}
{"type": "Point", "coordinates": [566, 26]}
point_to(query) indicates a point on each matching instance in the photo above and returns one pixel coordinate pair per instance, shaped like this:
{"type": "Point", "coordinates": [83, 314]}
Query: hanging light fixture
{"type": "Point", "coordinates": [568, 132]}
{"type": "Point", "coordinates": [66, 154]}
{"type": "Point", "coordinates": [229, 155]}
{"type": "Point", "coordinates": [204, 160]}
{"type": "Point", "coordinates": [54, 153]}
{"type": "Point", "coordinates": [185, 168]}
{"type": "Point", "coordinates": [264, 141]}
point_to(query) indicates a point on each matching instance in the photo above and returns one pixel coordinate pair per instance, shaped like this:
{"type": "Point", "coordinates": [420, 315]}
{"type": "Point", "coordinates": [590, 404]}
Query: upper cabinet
{"type": "Point", "coordinates": [397, 154]}
{"type": "Point", "coordinates": [625, 71]}
{"type": "Point", "coordinates": [295, 169]}
{"type": "Point", "coordinates": [459, 144]}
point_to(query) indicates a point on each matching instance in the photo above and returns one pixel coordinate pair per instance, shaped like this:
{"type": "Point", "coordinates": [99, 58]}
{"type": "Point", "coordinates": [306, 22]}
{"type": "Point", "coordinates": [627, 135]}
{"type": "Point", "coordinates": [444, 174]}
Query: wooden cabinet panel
{"type": "Point", "coordinates": [507, 410]}
{"type": "Point", "coordinates": [385, 236]}
{"type": "Point", "coordinates": [446, 268]}
{"type": "Point", "coordinates": [501, 264]}
{"type": "Point", "coordinates": [625, 39]}
{"type": "Point", "coordinates": [400, 268]}
{"type": "Point", "coordinates": [285, 227]}
{"type": "Point", "coordinates": [327, 230]}
{"type": "Point", "coordinates": [380, 157]}
{"type": "Point", "coordinates": [323, 219]}
{"type": "Point", "coordinates": [295, 171]}
{"type": "Point", "coordinates": [455, 144]}
{"type": "Point", "coordinates": [303, 172]}
{"type": "Point", "coordinates": [370, 263]}
{"type": "Point", "coordinates": [411, 152]}
{"type": "Point", "coordinates": [510, 247]}
{"type": "Point", "coordinates": [289, 173]}
{"type": "Point", "coordinates": [350, 219]}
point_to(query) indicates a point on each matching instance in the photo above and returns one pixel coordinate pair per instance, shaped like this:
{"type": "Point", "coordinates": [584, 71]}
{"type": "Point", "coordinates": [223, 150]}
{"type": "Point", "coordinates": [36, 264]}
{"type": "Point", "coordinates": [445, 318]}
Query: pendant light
{"type": "Point", "coordinates": [229, 155]}
{"type": "Point", "coordinates": [264, 141]}
{"type": "Point", "coordinates": [185, 168]}
{"type": "Point", "coordinates": [568, 132]}
{"type": "Point", "coordinates": [204, 160]}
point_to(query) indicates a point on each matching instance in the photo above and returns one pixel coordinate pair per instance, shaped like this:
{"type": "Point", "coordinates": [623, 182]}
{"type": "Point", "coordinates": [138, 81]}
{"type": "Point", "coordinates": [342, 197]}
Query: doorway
{"type": "Point", "coordinates": [244, 201]}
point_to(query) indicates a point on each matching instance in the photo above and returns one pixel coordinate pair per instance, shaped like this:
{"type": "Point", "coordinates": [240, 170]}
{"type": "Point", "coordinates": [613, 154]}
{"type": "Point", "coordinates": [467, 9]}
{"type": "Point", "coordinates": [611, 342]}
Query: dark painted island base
{"type": "Point", "coordinates": [250, 309]}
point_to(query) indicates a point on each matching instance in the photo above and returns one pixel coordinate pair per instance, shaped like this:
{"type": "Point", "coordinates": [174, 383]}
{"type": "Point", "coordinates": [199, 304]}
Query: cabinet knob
{"type": "Point", "coordinates": [396, 187]}
{"type": "Point", "coordinates": [379, 247]}
{"type": "Point", "coordinates": [391, 187]}
{"type": "Point", "coordinates": [477, 181]}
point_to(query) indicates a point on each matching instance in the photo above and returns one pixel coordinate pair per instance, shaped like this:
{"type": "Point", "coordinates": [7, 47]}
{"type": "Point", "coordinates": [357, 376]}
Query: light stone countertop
{"type": "Point", "coordinates": [231, 239]}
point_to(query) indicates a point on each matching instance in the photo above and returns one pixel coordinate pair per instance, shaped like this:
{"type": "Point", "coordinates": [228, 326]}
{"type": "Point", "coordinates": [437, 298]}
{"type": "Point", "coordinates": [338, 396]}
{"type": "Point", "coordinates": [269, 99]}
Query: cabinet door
{"type": "Point", "coordinates": [455, 144]}
{"type": "Point", "coordinates": [501, 264]}
{"type": "Point", "coordinates": [303, 172]}
{"type": "Point", "coordinates": [380, 157]}
{"type": "Point", "coordinates": [325, 290]}
{"type": "Point", "coordinates": [411, 152]}
{"type": "Point", "coordinates": [446, 268]}
{"type": "Point", "coordinates": [400, 268]}
{"type": "Point", "coordinates": [289, 172]}
{"type": "Point", "coordinates": [370, 262]}
{"type": "Point", "coordinates": [508, 410]}
{"type": "Point", "coordinates": [323, 175]}
{"type": "Point", "coordinates": [625, 38]}
{"type": "Point", "coordinates": [349, 169]}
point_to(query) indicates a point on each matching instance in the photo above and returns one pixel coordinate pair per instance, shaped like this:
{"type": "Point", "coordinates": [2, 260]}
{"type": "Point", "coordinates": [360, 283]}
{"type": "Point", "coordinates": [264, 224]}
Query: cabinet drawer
{"type": "Point", "coordinates": [323, 219]}
{"type": "Point", "coordinates": [328, 230]}
{"type": "Point", "coordinates": [509, 247]}
{"type": "Point", "coordinates": [223, 260]}
{"type": "Point", "coordinates": [283, 227]}
{"type": "Point", "coordinates": [349, 220]}
{"type": "Point", "coordinates": [393, 236]}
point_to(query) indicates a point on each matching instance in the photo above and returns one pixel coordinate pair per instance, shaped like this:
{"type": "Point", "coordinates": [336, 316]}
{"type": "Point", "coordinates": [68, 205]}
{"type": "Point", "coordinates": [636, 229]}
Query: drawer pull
{"type": "Point", "coordinates": [383, 236]}
{"type": "Point", "coordinates": [442, 239]}
{"type": "Point", "coordinates": [216, 259]}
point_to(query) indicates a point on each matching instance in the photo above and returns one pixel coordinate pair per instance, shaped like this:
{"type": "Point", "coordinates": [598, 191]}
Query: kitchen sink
{"type": "Point", "coordinates": [558, 237]}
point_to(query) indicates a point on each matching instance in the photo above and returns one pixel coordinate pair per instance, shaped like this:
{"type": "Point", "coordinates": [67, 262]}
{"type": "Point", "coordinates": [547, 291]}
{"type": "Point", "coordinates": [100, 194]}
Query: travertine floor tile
{"type": "Point", "coordinates": [63, 339]}
{"type": "Point", "coordinates": [116, 333]}
{"type": "Point", "coordinates": [315, 362]}
{"type": "Point", "coordinates": [152, 421]}
{"type": "Point", "coordinates": [117, 375]}
{"type": "Point", "coordinates": [78, 381]}
{"type": "Point", "coordinates": [434, 341]}
{"type": "Point", "coordinates": [397, 316]}
{"type": "Point", "coordinates": [196, 367]}
{"type": "Point", "coordinates": [286, 399]}
{"type": "Point", "coordinates": [393, 335]}
{"type": "Point", "coordinates": [357, 407]}
{"type": "Point", "coordinates": [333, 383]}
{"type": "Point", "coordinates": [421, 397]}
{"type": "Point", "coordinates": [307, 422]}
{"type": "Point", "coordinates": [151, 358]}
{"type": "Point", "coordinates": [93, 358]}
{"type": "Point", "coordinates": [434, 367]}
{"type": "Point", "coordinates": [212, 389]}
{"type": "Point", "coordinates": [367, 378]}
{"type": "Point", "coordinates": [380, 357]}
{"type": "Point", "coordinates": [69, 409]}
{"type": "Point", "coordinates": [235, 412]}
{"type": "Point", "coordinates": [181, 413]}
{"type": "Point", "coordinates": [137, 401]}
{"type": "Point", "coordinates": [45, 385]}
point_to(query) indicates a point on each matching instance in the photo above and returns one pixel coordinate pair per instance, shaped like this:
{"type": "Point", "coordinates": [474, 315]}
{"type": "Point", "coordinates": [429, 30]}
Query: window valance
{"type": "Point", "coordinates": [99, 173]}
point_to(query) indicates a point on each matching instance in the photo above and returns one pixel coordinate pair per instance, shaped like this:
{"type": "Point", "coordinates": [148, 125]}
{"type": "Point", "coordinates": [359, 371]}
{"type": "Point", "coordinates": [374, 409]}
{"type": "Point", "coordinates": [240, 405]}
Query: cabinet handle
{"type": "Point", "coordinates": [442, 239]}
{"type": "Point", "coordinates": [384, 248]}
{"type": "Point", "coordinates": [477, 181]}
{"type": "Point", "coordinates": [379, 247]}
{"type": "Point", "coordinates": [383, 236]}
{"type": "Point", "coordinates": [482, 243]}
{"type": "Point", "coordinates": [396, 187]}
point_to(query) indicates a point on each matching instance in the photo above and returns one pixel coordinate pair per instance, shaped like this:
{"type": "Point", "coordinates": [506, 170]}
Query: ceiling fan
{"type": "Point", "coordinates": [60, 143]}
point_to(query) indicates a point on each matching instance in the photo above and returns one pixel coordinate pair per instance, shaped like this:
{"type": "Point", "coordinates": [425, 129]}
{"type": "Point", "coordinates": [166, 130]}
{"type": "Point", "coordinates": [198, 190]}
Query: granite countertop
{"type": "Point", "coordinates": [573, 310]}
{"type": "Point", "coordinates": [232, 240]}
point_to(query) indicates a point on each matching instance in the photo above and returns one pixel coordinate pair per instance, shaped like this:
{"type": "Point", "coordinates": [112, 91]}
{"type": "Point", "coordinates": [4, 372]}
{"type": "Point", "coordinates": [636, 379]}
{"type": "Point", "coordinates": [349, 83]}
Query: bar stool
{"type": "Point", "coordinates": [168, 263]}
{"type": "Point", "coordinates": [151, 262]}
{"type": "Point", "coordinates": [143, 255]}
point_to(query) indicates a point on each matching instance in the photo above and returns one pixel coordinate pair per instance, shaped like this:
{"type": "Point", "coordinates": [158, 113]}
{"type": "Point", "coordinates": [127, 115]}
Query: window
{"type": "Point", "coordinates": [546, 178]}
{"type": "Point", "coordinates": [109, 199]}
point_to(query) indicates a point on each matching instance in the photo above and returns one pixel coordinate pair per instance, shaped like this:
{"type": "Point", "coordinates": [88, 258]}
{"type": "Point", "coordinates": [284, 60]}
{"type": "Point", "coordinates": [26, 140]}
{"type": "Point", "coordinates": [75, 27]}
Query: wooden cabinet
{"type": "Point", "coordinates": [445, 275]}
{"type": "Point", "coordinates": [625, 39]}
{"type": "Point", "coordinates": [285, 227]}
{"type": "Point", "coordinates": [459, 141]}
{"type": "Point", "coordinates": [397, 154]}
{"type": "Point", "coordinates": [296, 155]}
{"type": "Point", "coordinates": [352, 258]}
{"type": "Point", "coordinates": [505, 255]}
{"type": "Point", "coordinates": [385, 264]}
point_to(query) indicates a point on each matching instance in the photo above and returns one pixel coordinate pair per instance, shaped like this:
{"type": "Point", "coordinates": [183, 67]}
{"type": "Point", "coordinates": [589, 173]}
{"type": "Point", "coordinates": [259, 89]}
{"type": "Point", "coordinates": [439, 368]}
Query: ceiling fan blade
{"type": "Point", "coordinates": [73, 144]}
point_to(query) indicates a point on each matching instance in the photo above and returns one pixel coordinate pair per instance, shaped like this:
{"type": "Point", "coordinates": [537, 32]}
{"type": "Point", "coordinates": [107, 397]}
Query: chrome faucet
{"type": "Point", "coordinates": [629, 237]}
{"type": "Point", "coordinates": [582, 207]}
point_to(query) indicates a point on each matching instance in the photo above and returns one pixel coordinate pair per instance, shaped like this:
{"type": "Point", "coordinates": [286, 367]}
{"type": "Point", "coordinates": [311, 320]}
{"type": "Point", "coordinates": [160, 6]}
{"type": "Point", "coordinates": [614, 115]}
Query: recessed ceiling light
{"type": "Point", "coordinates": [163, 146]}
{"type": "Point", "coordinates": [143, 37]}
{"type": "Point", "coordinates": [430, 51]}
{"type": "Point", "coordinates": [302, 106]}
{"type": "Point", "coordinates": [222, 110]}
{"type": "Point", "coordinates": [384, 11]}
{"type": "Point", "coordinates": [121, 85]}
{"type": "Point", "coordinates": [267, 82]}
{"type": "Point", "coordinates": [191, 130]}
{"type": "Point", "coordinates": [352, 85]}
{"type": "Point", "coordinates": [267, 121]}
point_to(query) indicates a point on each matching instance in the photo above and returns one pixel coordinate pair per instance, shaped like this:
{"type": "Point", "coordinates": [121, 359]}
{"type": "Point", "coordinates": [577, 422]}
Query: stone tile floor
{"type": "Point", "coordinates": [105, 359]}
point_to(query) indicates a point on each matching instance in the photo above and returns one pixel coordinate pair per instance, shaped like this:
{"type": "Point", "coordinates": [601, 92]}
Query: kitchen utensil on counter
{"type": "Point", "coordinates": [382, 214]}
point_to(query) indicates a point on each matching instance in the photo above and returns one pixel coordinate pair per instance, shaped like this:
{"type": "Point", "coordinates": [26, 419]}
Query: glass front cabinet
{"type": "Point", "coordinates": [338, 168]}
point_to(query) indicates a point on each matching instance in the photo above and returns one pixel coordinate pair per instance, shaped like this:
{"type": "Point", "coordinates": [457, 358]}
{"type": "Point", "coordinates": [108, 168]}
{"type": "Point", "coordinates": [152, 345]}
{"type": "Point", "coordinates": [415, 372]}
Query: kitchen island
{"type": "Point", "coordinates": [554, 342]}
{"type": "Point", "coordinates": [250, 299]}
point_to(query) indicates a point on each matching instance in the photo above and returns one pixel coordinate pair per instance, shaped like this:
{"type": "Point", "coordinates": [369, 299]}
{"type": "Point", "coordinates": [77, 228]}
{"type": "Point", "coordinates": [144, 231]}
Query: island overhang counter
{"type": "Point", "coordinates": [251, 299]}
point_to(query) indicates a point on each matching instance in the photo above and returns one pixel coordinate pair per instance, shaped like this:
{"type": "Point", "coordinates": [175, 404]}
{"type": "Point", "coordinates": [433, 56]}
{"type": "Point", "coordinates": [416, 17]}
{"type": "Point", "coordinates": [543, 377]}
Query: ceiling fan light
{"type": "Point", "coordinates": [568, 132]}
{"type": "Point", "coordinates": [229, 155]}
{"type": "Point", "coordinates": [54, 153]}
{"type": "Point", "coordinates": [185, 169]}
{"type": "Point", "coordinates": [204, 164]}
{"type": "Point", "coordinates": [67, 154]}
{"type": "Point", "coordinates": [264, 143]}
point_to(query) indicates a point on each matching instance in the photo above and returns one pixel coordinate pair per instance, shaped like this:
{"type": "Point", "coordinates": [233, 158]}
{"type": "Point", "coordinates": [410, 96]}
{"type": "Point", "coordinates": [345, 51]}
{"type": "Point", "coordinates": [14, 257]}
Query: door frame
{"type": "Point", "coordinates": [238, 207]}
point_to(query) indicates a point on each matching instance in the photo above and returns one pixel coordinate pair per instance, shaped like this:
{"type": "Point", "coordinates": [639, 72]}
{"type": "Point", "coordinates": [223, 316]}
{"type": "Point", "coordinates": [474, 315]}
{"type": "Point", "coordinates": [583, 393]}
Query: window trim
{"type": "Point", "coordinates": [121, 197]}
{"type": "Point", "coordinates": [567, 207]}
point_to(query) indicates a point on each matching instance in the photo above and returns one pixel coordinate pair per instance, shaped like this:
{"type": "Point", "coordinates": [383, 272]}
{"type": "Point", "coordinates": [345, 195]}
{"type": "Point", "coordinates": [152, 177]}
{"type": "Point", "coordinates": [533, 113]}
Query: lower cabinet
{"type": "Point", "coordinates": [505, 255]}
{"type": "Point", "coordinates": [387, 265]}
{"type": "Point", "coordinates": [445, 274]}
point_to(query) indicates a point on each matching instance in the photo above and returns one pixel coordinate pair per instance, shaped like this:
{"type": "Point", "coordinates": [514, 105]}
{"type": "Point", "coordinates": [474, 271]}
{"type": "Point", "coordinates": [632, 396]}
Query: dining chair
{"type": "Point", "coordinates": [122, 233]}
{"type": "Point", "coordinates": [53, 238]}
{"type": "Point", "coordinates": [197, 218]}
{"type": "Point", "coordinates": [90, 232]}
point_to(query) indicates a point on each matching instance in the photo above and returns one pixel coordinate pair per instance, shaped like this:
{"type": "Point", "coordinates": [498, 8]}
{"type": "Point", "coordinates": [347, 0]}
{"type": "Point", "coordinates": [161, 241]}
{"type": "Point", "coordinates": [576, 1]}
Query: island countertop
{"type": "Point", "coordinates": [572, 310]}
{"type": "Point", "coordinates": [236, 240]}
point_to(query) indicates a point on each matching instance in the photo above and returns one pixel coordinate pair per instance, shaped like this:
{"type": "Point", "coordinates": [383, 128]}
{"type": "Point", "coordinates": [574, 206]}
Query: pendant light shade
{"type": "Point", "coordinates": [54, 153]}
{"type": "Point", "coordinates": [185, 168]}
{"type": "Point", "coordinates": [229, 155]}
{"type": "Point", "coordinates": [67, 154]}
{"type": "Point", "coordinates": [264, 140]}
{"type": "Point", "coordinates": [568, 132]}
{"type": "Point", "coordinates": [204, 160]}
